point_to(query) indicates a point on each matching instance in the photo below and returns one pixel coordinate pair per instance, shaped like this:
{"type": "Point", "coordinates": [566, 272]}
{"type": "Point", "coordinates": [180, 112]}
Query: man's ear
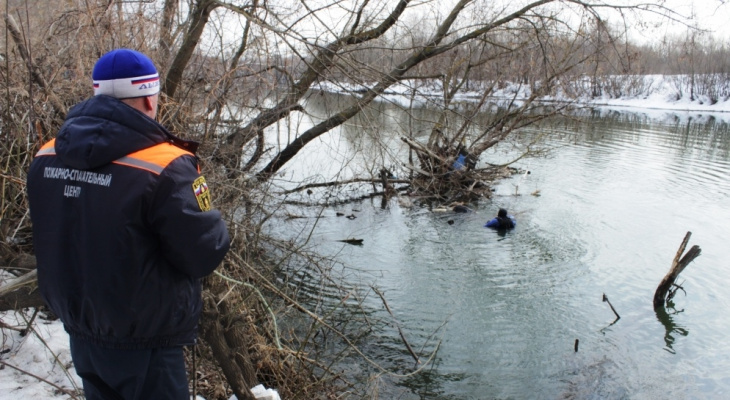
{"type": "Point", "coordinates": [148, 106]}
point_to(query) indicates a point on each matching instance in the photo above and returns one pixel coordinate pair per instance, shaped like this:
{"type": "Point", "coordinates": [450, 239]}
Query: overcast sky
{"type": "Point", "coordinates": [646, 27]}
{"type": "Point", "coordinates": [713, 15]}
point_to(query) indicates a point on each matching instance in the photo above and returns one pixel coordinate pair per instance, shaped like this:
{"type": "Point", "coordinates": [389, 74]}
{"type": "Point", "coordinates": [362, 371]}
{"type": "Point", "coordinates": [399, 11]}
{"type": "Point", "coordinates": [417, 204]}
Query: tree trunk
{"type": "Point", "coordinates": [166, 30]}
{"type": "Point", "coordinates": [201, 14]}
{"type": "Point", "coordinates": [230, 349]}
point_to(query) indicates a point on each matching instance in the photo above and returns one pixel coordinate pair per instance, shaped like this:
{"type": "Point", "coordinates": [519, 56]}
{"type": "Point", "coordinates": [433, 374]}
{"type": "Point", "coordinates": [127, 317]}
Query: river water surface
{"type": "Point", "coordinates": [617, 194]}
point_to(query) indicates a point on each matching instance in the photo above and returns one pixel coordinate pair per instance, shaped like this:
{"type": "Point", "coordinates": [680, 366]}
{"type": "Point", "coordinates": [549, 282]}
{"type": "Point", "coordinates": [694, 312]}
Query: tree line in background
{"type": "Point", "coordinates": [604, 58]}
{"type": "Point", "coordinates": [233, 72]}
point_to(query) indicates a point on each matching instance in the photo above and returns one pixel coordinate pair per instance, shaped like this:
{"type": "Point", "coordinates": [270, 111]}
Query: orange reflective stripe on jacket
{"type": "Point", "coordinates": [153, 159]}
{"type": "Point", "coordinates": [47, 149]}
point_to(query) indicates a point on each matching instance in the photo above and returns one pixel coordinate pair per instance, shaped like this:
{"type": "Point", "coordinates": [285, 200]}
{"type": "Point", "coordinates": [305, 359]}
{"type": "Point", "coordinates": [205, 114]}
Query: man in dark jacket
{"type": "Point", "coordinates": [123, 231]}
{"type": "Point", "coordinates": [502, 221]}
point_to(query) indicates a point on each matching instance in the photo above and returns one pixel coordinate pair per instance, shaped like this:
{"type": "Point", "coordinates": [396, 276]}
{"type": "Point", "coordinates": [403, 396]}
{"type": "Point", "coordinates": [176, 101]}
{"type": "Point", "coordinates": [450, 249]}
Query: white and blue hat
{"type": "Point", "coordinates": [125, 73]}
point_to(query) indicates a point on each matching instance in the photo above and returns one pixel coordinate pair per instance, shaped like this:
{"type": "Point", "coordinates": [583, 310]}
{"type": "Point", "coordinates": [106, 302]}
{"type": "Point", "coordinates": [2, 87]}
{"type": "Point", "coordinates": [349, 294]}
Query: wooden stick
{"type": "Point", "coordinates": [678, 265]}
{"type": "Point", "coordinates": [605, 298]}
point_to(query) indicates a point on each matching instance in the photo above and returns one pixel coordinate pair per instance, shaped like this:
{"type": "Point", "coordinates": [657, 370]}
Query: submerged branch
{"type": "Point", "coordinates": [275, 290]}
{"type": "Point", "coordinates": [678, 265]}
{"type": "Point", "coordinates": [397, 325]}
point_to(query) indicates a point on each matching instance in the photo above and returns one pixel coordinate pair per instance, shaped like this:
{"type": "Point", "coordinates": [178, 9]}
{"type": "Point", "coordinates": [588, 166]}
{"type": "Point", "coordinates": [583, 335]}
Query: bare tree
{"type": "Point", "coordinates": [344, 57]}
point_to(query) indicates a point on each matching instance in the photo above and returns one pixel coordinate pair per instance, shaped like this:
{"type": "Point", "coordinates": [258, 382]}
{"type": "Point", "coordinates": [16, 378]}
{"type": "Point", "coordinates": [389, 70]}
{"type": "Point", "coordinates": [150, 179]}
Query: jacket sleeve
{"type": "Point", "coordinates": [193, 237]}
{"type": "Point", "coordinates": [492, 223]}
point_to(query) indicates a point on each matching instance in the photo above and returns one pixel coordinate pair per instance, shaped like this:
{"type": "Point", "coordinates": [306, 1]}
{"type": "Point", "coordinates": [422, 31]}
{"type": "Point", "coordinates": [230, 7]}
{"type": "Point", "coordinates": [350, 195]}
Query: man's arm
{"type": "Point", "coordinates": [492, 223]}
{"type": "Point", "coordinates": [193, 236]}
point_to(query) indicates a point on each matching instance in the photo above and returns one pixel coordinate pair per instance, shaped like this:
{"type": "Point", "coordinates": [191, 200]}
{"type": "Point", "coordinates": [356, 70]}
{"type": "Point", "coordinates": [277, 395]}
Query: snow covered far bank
{"type": "Point", "coordinates": [663, 95]}
{"type": "Point", "coordinates": [656, 96]}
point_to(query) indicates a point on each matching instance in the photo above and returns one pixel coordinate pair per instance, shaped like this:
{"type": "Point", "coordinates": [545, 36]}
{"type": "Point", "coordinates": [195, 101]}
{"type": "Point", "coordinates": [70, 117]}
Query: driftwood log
{"type": "Point", "coordinates": [21, 292]}
{"type": "Point", "coordinates": [678, 265]}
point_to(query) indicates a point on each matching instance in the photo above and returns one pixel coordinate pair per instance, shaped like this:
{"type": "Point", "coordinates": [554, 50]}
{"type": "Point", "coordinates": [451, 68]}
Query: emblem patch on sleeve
{"type": "Point", "coordinates": [202, 194]}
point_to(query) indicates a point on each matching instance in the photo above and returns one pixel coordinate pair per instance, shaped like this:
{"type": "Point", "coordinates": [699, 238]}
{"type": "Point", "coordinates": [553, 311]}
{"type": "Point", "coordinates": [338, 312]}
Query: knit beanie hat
{"type": "Point", "coordinates": [125, 73]}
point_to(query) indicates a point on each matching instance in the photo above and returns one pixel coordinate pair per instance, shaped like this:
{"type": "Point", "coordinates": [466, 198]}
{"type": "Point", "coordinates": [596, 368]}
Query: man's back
{"type": "Point", "coordinates": [123, 231]}
{"type": "Point", "coordinates": [119, 235]}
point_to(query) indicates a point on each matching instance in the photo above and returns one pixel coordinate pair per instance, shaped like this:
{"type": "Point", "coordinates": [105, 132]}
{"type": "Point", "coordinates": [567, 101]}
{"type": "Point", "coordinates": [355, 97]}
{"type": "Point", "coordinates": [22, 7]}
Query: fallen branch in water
{"type": "Point", "coordinates": [605, 298]}
{"type": "Point", "coordinates": [678, 265]}
{"type": "Point", "coordinates": [356, 242]}
{"type": "Point", "coordinates": [341, 183]}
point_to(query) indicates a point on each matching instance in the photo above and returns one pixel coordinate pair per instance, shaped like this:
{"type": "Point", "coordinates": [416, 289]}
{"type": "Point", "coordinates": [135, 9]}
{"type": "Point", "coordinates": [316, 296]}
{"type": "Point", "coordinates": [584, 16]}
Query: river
{"type": "Point", "coordinates": [602, 214]}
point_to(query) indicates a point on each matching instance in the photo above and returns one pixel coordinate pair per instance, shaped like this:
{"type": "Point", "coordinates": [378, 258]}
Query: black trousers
{"type": "Point", "coordinates": [112, 374]}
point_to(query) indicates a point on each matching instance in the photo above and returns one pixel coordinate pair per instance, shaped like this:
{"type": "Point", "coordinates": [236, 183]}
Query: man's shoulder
{"type": "Point", "coordinates": [155, 158]}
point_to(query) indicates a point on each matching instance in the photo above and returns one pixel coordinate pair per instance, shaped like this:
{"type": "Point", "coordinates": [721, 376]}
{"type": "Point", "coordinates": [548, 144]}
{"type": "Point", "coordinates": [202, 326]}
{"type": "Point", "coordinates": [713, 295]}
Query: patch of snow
{"type": "Point", "coordinates": [36, 365]}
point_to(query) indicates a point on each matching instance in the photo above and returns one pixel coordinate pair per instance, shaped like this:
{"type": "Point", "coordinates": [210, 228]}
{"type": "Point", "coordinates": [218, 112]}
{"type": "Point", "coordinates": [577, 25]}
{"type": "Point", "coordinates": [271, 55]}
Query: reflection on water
{"type": "Point", "coordinates": [672, 329]}
{"type": "Point", "coordinates": [618, 193]}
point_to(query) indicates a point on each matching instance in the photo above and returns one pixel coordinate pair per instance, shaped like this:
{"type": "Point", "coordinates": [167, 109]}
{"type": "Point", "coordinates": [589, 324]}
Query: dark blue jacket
{"type": "Point", "coordinates": [122, 228]}
{"type": "Point", "coordinates": [497, 224]}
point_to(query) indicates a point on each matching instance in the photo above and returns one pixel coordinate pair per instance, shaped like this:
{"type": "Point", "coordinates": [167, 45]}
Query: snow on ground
{"type": "Point", "coordinates": [38, 365]}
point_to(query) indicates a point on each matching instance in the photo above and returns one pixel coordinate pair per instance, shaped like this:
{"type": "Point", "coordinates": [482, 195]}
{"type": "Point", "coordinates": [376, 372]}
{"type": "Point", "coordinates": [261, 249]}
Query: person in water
{"type": "Point", "coordinates": [502, 221]}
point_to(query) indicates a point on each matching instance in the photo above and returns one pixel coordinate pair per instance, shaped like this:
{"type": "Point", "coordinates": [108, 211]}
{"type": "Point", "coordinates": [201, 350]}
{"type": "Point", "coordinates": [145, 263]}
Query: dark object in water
{"type": "Point", "coordinates": [502, 222]}
{"type": "Point", "coordinates": [356, 242]}
{"type": "Point", "coordinates": [450, 222]}
{"type": "Point", "coordinates": [461, 209]}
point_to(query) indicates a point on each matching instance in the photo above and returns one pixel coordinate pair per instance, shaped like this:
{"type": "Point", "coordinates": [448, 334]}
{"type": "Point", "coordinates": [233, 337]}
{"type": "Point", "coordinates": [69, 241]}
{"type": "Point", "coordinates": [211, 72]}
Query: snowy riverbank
{"type": "Point", "coordinates": [657, 96]}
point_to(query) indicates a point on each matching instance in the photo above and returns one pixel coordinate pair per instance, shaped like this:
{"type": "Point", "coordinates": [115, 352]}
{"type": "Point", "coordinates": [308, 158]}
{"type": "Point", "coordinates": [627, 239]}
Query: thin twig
{"type": "Point", "coordinates": [261, 296]}
{"type": "Point", "coordinates": [28, 326]}
{"type": "Point", "coordinates": [48, 347]}
{"type": "Point", "coordinates": [62, 390]}
{"type": "Point", "coordinates": [605, 298]}
{"type": "Point", "coordinates": [319, 320]}
{"type": "Point", "coordinates": [397, 325]}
